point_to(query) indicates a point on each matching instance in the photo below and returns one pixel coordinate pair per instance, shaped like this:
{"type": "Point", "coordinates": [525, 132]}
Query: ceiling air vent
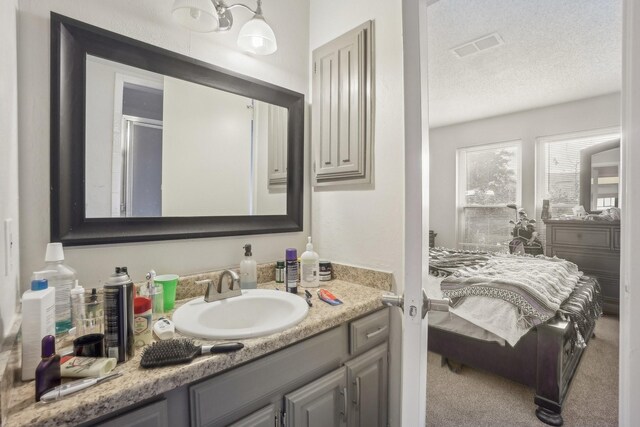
{"type": "Point", "coordinates": [478, 45]}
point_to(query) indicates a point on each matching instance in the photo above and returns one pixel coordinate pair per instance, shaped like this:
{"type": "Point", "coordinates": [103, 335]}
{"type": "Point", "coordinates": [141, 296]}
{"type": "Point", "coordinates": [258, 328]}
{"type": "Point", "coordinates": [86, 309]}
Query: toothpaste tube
{"type": "Point", "coordinates": [328, 297]}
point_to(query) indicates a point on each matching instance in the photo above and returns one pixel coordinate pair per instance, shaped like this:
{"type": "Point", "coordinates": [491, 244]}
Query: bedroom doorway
{"type": "Point", "coordinates": [505, 78]}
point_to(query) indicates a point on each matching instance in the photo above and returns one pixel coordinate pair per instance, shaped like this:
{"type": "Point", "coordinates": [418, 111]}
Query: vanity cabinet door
{"type": "Point", "coordinates": [321, 403]}
{"type": "Point", "coordinates": [265, 417]}
{"type": "Point", "coordinates": [341, 125]}
{"type": "Point", "coordinates": [151, 415]}
{"type": "Point", "coordinates": [367, 377]}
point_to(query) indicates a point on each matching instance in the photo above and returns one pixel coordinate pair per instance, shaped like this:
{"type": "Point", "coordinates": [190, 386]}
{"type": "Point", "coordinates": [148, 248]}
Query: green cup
{"type": "Point", "coordinates": [169, 284]}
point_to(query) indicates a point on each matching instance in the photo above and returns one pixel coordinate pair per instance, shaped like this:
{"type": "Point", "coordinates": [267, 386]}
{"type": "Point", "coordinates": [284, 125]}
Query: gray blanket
{"type": "Point", "coordinates": [536, 285]}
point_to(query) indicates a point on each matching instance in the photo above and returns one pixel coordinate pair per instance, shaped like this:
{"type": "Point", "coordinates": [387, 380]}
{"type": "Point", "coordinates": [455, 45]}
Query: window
{"type": "Point", "coordinates": [489, 178]}
{"type": "Point", "coordinates": [558, 170]}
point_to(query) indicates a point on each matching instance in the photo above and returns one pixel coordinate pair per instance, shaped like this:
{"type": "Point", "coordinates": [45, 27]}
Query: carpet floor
{"type": "Point", "coordinates": [477, 398]}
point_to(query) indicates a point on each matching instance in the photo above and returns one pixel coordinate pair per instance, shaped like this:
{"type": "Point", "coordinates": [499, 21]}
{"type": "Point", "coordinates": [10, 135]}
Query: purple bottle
{"type": "Point", "coordinates": [48, 371]}
{"type": "Point", "coordinates": [291, 259]}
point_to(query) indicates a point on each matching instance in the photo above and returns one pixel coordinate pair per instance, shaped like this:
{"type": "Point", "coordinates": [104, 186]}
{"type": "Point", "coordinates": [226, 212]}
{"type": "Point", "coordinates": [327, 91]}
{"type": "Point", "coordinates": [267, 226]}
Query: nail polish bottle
{"type": "Point", "coordinates": [48, 371]}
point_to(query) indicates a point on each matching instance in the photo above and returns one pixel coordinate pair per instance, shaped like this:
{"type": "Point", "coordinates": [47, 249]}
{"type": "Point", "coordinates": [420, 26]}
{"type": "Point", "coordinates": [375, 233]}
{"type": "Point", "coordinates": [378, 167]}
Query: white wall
{"type": "Point", "coordinates": [9, 259]}
{"type": "Point", "coordinates": [151, 22]}
{"type": "Point", "coordinates": [206, 151]}
{"type": "Point", "coordinates": [363, 225]}
{"type": "Point", "coordinates": [593, 113]}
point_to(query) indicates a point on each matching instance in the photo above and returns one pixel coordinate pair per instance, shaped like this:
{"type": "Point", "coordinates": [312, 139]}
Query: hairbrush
{"type": "Point", "coordinates": [177, 351]}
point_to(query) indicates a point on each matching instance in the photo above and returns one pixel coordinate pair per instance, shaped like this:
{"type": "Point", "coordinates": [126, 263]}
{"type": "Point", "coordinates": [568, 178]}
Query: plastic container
{"type": "Point", "coordinates": [62, 278]}
{"type": "Point", "coordinates": [248, 270]}
{"type": "Point", "coordinates": [143, 325]}
{"type": "Point", "coordinates": [280, 269]}
{"type": "Point", "coordinates": [309, 267]}
{"type": "Point", "coordinates": [48, 370]}
{"type": "Point", "coordinates": [38, 321]}
{"type": "Point", "coordinates": [83, 367]}
{"type": "Point", "coordinates": [77, 299]}
{"type": "Point", "coordinates": [88, 315]}
{"type": "Point", "coordinates": [169, 284]}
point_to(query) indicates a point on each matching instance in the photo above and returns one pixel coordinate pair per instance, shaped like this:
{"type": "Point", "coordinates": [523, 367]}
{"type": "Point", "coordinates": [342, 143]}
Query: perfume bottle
{"type": "Point", "coordinates": [48, 371]}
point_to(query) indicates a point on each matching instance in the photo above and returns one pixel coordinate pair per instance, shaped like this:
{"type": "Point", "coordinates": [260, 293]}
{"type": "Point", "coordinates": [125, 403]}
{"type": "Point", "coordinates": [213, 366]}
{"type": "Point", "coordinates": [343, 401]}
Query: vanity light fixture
{"type": "Point", "coordinates": [256, 36]}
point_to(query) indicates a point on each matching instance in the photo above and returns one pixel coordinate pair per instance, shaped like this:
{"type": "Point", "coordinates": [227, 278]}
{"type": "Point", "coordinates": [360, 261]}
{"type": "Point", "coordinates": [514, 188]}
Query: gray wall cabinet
{"type": "Point", "coordinates": [326, 380]}
{"type": "Point", "coordinates": [342, 110]}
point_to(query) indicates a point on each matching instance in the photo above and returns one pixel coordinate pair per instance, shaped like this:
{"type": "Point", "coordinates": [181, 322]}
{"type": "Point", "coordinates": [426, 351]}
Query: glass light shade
{"type": "Point", "coordinates": [196, 15]}
{"type": "Point", "coordinates": [256, 36]}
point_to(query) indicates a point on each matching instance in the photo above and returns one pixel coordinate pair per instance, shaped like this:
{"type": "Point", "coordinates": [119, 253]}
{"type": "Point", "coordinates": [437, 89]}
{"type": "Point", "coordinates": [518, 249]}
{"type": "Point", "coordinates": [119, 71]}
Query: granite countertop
{"type": "Point", "coordinates": [137, 384]}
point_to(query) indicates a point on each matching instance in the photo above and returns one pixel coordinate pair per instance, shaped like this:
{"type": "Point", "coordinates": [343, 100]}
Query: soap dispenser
{"type": "Point", "coordinates": [310, 267]}
{"type": "Point", "coordinates": [248, 272]}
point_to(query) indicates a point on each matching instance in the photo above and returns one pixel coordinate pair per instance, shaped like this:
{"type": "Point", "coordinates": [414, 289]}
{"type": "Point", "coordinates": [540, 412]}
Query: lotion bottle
{"type": "Point", "coordinates": [310, 267]}
{"type": "Point", "coordinates": [38, 321]}
{"type": "Point", "coordinates": [248, 270]}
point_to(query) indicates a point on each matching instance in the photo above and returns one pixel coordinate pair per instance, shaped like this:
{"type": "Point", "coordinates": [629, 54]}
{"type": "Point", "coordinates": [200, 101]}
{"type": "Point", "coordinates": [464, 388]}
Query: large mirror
{"type": "Point", "coordinates": [147, 144]}
{"type": "Point", "coordinates": [600, 176]}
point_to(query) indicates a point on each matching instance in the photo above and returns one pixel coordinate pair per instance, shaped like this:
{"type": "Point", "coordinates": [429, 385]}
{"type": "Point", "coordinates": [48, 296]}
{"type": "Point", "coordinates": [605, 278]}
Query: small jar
{"type": "Point", "coordinates": [325, 271]}
{"type": "Point", "coordinates": [280, 272]}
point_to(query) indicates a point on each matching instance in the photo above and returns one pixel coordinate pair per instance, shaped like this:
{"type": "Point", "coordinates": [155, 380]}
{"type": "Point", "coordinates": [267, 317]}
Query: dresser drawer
{"type": "Point", "coordinates": [595, 238]}
{"type": "Point", "coordinates": [591, 263]}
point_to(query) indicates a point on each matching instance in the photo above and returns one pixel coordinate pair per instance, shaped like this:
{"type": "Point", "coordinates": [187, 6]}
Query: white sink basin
{"type": "Point", "coordinates": [256, 313]}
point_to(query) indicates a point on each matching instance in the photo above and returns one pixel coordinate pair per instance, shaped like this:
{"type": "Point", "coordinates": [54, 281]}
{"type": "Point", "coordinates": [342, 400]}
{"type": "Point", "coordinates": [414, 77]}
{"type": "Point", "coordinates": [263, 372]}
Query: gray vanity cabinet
{"type": "Point", "coordinates": [367, 378]}
{"type": "Point", "coordinates": [323, 402]}
{"type": "Point", "coordinates": [337, 378]}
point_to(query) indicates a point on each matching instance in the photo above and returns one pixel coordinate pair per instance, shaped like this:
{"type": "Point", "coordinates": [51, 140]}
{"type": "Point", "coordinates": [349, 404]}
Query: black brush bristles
{"type": "Point", "coordinates": [169, 352]}
{"type": "Point", "coordinates": [177, 351]}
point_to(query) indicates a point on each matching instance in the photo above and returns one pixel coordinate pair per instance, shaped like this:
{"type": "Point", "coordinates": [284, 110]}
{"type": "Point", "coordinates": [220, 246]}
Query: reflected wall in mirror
{"type": "Point", "coordinates": [161, 146]}
{"type": "Point", "coordinates": [600, 176]}
{"type": "Point", "coordinates": [148, 144]}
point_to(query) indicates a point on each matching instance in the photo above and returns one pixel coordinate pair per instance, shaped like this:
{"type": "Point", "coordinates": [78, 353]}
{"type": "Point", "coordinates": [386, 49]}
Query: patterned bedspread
{"type": "Point", "coordinates": [540, 287]}
{"type": "Point", "coordinates": [536, 285]}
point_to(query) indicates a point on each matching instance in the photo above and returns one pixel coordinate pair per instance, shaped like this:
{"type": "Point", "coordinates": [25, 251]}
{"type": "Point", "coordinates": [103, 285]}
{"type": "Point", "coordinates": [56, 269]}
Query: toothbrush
{"type": "Point", "coordinates": [73, 387]}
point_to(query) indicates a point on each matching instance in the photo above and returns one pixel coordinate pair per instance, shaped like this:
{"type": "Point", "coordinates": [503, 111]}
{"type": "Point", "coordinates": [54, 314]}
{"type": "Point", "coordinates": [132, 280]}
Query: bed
{"type": "Point", "coordinates": [542, 351]}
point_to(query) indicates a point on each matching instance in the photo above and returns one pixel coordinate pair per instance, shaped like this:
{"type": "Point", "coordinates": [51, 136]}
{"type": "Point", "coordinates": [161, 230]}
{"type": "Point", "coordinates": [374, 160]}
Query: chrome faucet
{"type": "Point", "coordinates": [215, 292]}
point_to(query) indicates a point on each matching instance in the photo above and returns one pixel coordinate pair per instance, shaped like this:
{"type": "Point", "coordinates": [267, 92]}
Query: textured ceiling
{"type": "Point", "coordinates": [554, 51]}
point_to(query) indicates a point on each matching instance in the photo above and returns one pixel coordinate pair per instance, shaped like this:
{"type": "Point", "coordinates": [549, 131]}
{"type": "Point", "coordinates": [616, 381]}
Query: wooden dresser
{"type": "Point", "coordinates": [595, 247]}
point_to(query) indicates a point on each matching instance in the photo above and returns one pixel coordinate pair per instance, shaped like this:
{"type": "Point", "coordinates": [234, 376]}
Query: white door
{"type": "Point", "coordinates": [414, 336]}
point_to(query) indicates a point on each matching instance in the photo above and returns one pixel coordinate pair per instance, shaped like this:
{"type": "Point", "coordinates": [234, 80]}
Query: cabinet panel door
{"type": "Point", "coordinates": [367, 377]}
{"type": "Point", "coordinates": [321, 403]}
{"type": "Point", "coordinates": [265, 417]}
{"type": "Point", "coordinates": [341, 125]}
{"type": "Point", "coordinates": [151, 415]}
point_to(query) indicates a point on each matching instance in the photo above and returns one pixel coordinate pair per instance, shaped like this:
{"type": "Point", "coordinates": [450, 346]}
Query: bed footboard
{"type": "Point", "coordinates": [558, 358]}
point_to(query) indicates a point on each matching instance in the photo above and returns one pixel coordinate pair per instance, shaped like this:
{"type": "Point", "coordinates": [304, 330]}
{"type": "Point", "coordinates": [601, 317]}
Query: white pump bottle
{"type": "Point", "coordinates": [310, 267]}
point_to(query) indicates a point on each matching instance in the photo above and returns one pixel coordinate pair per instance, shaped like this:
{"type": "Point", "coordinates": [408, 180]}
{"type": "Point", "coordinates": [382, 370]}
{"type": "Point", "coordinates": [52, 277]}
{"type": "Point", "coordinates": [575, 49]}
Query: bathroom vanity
{"type": "Point", "coordinates": [330, 369]}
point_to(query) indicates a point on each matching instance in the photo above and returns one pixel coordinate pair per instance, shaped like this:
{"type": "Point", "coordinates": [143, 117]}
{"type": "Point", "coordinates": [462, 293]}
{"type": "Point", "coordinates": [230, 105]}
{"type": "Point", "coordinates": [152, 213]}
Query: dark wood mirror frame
{"type": "Point", "coordinates": [71, 41]}
{"type": "Point", "coordinates": [585, 171]}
